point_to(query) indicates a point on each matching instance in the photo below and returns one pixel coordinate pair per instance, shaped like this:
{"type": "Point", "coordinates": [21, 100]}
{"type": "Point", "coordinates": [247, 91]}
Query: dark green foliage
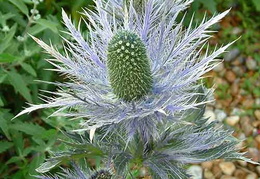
{"type": "Point", "coordinates": [128, 66]}
{"type": "Point", "coordinates": [25, 141]}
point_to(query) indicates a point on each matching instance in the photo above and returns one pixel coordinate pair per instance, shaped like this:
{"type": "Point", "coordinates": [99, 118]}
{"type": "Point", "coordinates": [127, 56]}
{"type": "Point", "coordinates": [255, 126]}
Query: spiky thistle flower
{"type": "Point", "coordinates": [135, 69]}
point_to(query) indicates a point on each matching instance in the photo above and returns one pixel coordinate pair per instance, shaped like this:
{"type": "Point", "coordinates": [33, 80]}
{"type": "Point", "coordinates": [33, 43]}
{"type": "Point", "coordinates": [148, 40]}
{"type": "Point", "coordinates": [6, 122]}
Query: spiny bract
{"type": "Point", "coordinates": [128, 66]}
{"type": "Point", "coordinates": [169, 58]}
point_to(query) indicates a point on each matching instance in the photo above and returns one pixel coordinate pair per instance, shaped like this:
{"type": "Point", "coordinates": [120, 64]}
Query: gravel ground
{"type": "Point", "coordinates": [237, 106]}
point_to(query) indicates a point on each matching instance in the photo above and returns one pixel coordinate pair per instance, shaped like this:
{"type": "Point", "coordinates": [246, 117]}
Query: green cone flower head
{"type": "Point", "coordinates": [128, 66]}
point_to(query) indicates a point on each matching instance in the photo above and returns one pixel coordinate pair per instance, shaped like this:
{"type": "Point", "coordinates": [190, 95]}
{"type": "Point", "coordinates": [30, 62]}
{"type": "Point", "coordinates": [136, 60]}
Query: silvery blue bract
{"type": "Point", "coordinates": [174, 55]}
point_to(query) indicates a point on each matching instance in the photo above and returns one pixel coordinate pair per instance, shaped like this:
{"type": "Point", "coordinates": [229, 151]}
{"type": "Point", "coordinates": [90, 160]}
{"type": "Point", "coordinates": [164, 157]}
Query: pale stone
{"type": "Point", "coordinates": [232, 120]}
{"type": "Point", "coordinates": [227, 168]}
{"type": "Point", "coordinates": [258, 170]}
{"type": "Point", "coordinates": [251, 176]}
{"type": "Point", "coordinates": [220, 115]}
{"type": "Point", "coordinates": [251, 64]}
{"type": "Point", "coordinates": [228, 177]}
{"type": "Point", "coordinates": [220, 67]}
{"type": "Point", "coordinates": [257, 114]}
{"type": "Point", "coordinates": [242, 163]}
{"type": "Point", "coordinates": [208, 174]}
{"type": "Point", "coordinates": [207, 165]}
{"type": "Point", "coordinates": [240, 174]}
{"type": "Point", "coordinates": [232, 55]}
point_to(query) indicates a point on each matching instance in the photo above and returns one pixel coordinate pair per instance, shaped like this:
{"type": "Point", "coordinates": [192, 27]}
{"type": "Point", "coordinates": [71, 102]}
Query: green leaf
{"type": "Point", "coordinates": [13, 160]}
{"type": "Point", "coordinates": [36, 29]}
{"type": "Point", "coordinates": [48, 24]}
{"type": "Point", "coordinates": [5, 145]}
{"type": "Point", "coordinates": [7, 58]}
{"type": "Point", "coordinates": [47, 166]}
{"type": "Point", "coordinates": [4, 116]}
{"type": "Point", "coordinates": [21, 6]}
{"type": "Point", "coordinates": [1, 102]}
{"type": "Point", "coordinates": [28, 128]}
{"type": "Point", "coordinates": [211, 5]}
{"type": "Point", "coordinates": [37, 160]}
{"type": "Point", "coordinates": [5, 42]}
{"type": "Point", "coordinates": [28, 68]}
{"type": "Point", "coordinates": [19, 85]}
{"type": "Point", "coordinates": [18, 141]}
{"type": "Point", "coordinates": [4, 17]}
{"type": "Point", "coordinates": [2, 77]}
{"type": "Point", "coordinates": [257, 4]}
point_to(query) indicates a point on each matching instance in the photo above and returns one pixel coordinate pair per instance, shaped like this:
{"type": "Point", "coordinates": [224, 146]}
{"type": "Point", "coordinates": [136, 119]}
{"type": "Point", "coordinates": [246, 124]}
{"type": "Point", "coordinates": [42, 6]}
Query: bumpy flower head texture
{"type": "Point", "coordinates": [134, 68]}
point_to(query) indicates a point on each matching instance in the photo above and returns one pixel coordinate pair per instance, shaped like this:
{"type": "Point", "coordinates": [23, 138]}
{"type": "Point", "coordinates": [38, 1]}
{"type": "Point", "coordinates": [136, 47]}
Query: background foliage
{"type": "Point", "coordinates": [26, 141]}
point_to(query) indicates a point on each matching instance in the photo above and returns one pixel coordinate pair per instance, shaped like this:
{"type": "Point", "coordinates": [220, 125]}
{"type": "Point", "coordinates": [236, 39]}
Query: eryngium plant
{"type": "Point", "coordinates": [136, 75]}
{"type": "Point", "coordinates": [132, 69]}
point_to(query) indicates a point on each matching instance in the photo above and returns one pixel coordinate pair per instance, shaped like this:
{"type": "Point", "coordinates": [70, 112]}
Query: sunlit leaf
{"type": "Point", "coordinates": [46, 166]}
{"type": "Point", "coordinates": [5, 42]}
{"type": "Point", "coordinates": [28, 68]}
{"type": "Point", "coordinates": [48, 24]}
{"type": "Point", "coordinates": [19, 85]}
{"type": "Point", "coordinates": [257, 4]}
{"type": "Point", "coordinates": [7, 58]}
{"type": "Point", "coordinates": [21, 6]}
{"type": "Point", "coordinates": [28, 128]}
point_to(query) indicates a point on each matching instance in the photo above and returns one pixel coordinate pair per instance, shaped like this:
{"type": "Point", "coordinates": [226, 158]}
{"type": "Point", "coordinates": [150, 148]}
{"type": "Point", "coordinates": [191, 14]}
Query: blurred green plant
{"type": "Point", "coordinates": [24, 142]}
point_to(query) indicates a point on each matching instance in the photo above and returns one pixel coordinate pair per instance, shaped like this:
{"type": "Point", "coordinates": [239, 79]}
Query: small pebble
{"type": "Point", "coordinates": [248, 103]}
{"type": "Point", "coordinates": [207, 165]}
{"type": "Point", "coordinates": [242, 163]}
{"type": "Point", "coordinates": [216, 171]}
{"type": "Point", "coordinates": [237, 111]}
{"type": "Point", "coordinates": [232, 120]}
{"type": "Point", "coordinates": [237, 30]}
{"type": "Point", "coordinates": [220, 115]}
{"type": "Point", "coordinates": [258, 170]}
{"type": "Point", "coordinates": [240, 174]}
{"type": "Point", "coordinates": [246, 125]}
{"type": "Point", "coordinates": [251, 64]}
{"type": "Point", "coordinates": [251, 176]}
{"type": "Point", "coordinates": [227, 168]}
{"type": "Point", "coordinates": [257, 101]}
{"type": "Point", "coordinates": [254, 154]}
{"type": "Point", "coordinates": [232, 55]}
{"type": "Point", "coordinates": [257, 114]}
{"type": "Point", "coordinates": [234, 88]}
{"type": "Point", "coordinates": [230, 76]}
{"type": "Point", "coordinates": [208, 175]}
{"type": "Point", "coordinates": [228, 177]}
{"type": "Point", "coordinates": [238, 71]}
{"type": "Point", "coordinates": [220, 67]}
